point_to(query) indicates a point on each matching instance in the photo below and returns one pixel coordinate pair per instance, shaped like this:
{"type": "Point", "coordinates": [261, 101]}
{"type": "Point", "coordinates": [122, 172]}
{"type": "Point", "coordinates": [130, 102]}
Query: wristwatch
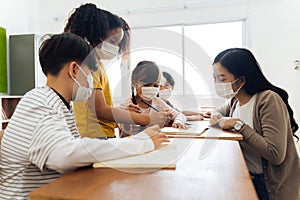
{"type": "Point", "coordinates": [238, 125]}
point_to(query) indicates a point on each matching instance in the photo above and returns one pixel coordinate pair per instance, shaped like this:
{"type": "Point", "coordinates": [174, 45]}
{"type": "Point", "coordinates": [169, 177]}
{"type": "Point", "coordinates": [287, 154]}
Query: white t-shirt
{"type": "Point", "coordinates": [41, 141]}
{"type": "Point", "coordinates": [245, 113]}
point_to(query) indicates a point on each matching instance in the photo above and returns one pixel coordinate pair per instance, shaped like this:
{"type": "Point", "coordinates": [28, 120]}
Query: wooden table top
{"type": "Point", "coordinates": [207, 169]}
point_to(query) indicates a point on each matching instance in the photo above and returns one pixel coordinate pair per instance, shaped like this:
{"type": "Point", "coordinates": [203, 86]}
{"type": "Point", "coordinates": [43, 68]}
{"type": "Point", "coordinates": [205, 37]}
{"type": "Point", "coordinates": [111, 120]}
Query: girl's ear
{"type": "Point", "coordinates": [73, 69]}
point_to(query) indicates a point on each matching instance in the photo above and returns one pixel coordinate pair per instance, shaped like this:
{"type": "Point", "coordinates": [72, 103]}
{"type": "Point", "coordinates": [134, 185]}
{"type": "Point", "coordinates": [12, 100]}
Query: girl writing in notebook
{"type": "Point", "coordinates": [145, 80]}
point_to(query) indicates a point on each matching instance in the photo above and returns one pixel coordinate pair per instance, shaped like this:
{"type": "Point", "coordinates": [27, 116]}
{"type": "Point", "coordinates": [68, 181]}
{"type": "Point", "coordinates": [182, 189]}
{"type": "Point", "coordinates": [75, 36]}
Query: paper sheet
{"type": "Point", "coordinates": [195, 129]}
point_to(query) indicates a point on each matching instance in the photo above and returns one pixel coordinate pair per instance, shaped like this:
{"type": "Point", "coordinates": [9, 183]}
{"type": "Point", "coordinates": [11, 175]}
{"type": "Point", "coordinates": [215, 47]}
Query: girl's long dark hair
{"type": "Point", "coordinates": [241, 62]}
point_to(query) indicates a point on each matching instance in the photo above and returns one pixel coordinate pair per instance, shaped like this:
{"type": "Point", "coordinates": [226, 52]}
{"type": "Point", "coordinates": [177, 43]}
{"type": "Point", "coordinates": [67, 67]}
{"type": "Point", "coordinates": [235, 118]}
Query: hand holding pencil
{"type": "Point", "coordinates": [159, 118]}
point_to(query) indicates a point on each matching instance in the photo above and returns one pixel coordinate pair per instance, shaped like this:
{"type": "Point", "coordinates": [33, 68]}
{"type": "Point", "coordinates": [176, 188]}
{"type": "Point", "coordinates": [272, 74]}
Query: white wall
{"type": "Point", "coordinates": [51, 16]}
{"type": "Point", "coordinates": [273, 31]}
{"type": "Point", "coordinates": [14, 16]}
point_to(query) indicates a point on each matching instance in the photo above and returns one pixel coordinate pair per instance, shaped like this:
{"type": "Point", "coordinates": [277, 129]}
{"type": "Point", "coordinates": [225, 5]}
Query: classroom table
{"type": "Point", "coordinates": [207, 169]}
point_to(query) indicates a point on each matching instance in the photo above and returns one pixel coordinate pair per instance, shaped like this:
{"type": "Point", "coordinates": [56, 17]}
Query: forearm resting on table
{"type": "Point", "coordinates": [76, 153]}
{"type": "Point", "coordinates": [200, 114]}
{"type": "Point", "coordinates": [188, 113]}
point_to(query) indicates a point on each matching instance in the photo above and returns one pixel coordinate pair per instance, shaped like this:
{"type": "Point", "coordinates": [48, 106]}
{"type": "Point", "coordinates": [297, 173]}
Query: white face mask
{"type": "Point", "coordinates": [107, 51]}
{"type": "Point", "coordinates": [149, 93]}
{"type": "Point", "coordinates": [165, 94]}
{"type": "Point", "coordinates": [83, 93]}
{"type": "Point", "coordinates": [225, 90]}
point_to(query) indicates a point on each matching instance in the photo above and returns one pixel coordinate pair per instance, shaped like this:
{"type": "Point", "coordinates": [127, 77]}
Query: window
{"type": "Point", "coordinates": [185, 51]}
{"type": "Point", "coordinates": [212, 39]}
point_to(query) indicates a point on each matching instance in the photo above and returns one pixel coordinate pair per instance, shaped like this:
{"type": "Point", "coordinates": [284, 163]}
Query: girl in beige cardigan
{"type": "Point", "coordinates": [261, 113]}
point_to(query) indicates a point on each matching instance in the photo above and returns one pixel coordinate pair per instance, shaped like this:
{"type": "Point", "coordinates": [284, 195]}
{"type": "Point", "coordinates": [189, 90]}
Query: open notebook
{"type": "Point", "coordinates": [201, 129]}
{"type": "Point", "coordinates": [196, 129]}
{"type": "Point", "coordinates": [165, 157]}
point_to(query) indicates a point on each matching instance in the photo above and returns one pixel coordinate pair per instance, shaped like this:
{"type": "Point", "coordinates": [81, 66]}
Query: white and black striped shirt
{"type": "Point", "coordinates": [33, 131]}
{"type": "Point", "coordinates": [42, 140]}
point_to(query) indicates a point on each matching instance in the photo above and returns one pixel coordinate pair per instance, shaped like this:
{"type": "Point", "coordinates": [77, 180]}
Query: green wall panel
{"type": "Point", "coordinates": [3, 66]}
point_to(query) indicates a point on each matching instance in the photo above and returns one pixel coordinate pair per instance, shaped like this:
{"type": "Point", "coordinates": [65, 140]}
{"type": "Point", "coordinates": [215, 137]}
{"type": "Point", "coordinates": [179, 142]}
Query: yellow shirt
{"type": "Point", "coordinates": [85, 116]}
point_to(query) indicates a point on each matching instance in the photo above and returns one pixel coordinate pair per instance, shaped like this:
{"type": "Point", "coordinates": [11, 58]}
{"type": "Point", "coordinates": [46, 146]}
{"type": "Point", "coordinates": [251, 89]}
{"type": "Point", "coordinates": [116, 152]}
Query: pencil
{"type": "Point", "coordinates": [148, 104]}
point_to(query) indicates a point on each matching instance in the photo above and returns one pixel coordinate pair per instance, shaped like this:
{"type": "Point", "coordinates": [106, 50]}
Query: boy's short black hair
{"type": "Point", "coordinates": [60, 49]}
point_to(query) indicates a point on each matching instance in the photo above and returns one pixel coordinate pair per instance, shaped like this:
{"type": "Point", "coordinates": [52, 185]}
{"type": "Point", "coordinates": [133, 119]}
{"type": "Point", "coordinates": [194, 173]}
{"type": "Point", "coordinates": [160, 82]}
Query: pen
{"type": "Point", "coordinates": [148, 104]}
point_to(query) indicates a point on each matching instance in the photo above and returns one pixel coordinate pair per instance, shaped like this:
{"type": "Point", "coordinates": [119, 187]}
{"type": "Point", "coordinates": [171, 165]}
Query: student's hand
{"type": "Point", "coordinates": [207, 114]}
{"type": "Point", "coordinates": [200, 117]}
{"type": "Point", "coordinates": [214, 120]}
{"type": "Point", "coordinates": [133, 108]}
{"type": "Point", "coordinates": [170, 115]}
{"type": "Point", "coordinates": [227, 122]}
{"type": "Point", "coordinates": [168, 122]}
{"type": "Point", "coordinates": [180, 125]}
{"type": "Point", "coordinates": [159, 118]}
{"type": "Point", "coordinates": [157, 137]}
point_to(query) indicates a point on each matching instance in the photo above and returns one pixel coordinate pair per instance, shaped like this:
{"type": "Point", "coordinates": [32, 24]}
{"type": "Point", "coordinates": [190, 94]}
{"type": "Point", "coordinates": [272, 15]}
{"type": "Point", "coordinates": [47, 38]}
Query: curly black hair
{"type": "Point", "coordinates": [89, 22]}
{"type": "Point", "coordinates": [94, 25]}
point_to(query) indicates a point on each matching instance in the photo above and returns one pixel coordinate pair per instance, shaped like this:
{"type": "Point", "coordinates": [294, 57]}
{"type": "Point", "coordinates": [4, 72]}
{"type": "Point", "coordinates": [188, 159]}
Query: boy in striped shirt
{"type": "Point", "coordinates": [41, 140]}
